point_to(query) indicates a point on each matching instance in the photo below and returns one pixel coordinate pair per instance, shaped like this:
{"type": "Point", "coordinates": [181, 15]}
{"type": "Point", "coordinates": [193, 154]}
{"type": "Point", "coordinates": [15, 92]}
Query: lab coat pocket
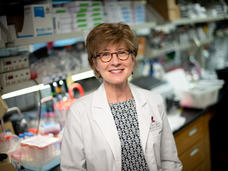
{"type": "Point", "coordinates": [155, 129]}
{"type": "Point", "coordinates": [153, 146]}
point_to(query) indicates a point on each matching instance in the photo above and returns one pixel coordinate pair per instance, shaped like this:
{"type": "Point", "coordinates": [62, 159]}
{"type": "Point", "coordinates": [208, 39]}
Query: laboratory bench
{"type": "Point", "coordinates": [193, 139]}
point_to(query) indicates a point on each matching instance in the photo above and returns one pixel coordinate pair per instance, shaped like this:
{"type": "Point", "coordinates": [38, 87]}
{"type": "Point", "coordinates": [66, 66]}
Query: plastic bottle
{"type": "Point", "coordinates": [28, 135]}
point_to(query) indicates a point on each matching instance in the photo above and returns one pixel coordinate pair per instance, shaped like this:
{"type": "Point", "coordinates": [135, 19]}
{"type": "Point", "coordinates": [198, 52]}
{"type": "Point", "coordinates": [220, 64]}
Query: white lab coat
{"type": "Point", "coordinates": [91, 141]}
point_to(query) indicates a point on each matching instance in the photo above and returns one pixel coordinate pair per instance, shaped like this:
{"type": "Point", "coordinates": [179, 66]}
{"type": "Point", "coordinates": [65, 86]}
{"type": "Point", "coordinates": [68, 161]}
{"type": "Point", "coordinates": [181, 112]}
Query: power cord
{"type": "Point", "coordinates": [39, 106]}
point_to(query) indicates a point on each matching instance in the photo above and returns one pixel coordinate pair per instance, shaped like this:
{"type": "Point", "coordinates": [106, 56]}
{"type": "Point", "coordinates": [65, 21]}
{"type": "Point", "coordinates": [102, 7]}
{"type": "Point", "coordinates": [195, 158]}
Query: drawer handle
{"type": "Point", "coordinates": [192, 132]}
{"type": "Point", "coordinates": [194, 151]}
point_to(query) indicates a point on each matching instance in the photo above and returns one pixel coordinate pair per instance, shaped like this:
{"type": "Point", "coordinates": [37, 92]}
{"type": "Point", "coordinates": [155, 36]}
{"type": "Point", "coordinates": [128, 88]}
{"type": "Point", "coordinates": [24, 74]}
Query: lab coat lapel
{"type": "Point", "coordinates": [103, 116]}
{"type": "Point", "coordinates": [144, 114]}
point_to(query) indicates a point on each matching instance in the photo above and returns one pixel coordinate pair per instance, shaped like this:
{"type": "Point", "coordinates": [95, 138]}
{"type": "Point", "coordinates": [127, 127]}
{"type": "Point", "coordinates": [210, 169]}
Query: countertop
{"type": "Point", "coordinates": [191, 115]}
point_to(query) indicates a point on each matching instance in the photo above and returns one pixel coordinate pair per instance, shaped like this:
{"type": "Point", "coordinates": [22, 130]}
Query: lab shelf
{"type": "Point", "coordinates": [74, 34]}
{"type": "Point", "coordinates": [77, 74]}
{"type": "Point", "coordinates": [81, 34]}
{"type": "Point", "coordinates": [147, 25]}
{"type": "Point", "coordinates": [185, 21]}
{"type": "Point", "coordinates": [43, 39]}
{"type": "Point", "coordinates": [18, 86]}
{"type": "Point", "coordinates": [188, 21]}
{"type": "Point", "coordinates": [152, 53]}
{"type": "Point", "coordinates": [137, 27]}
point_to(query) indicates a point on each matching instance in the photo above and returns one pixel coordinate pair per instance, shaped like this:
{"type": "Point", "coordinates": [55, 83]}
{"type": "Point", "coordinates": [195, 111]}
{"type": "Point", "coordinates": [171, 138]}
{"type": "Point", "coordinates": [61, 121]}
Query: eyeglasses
{"type": "Point", "coordinates": [107, 56]}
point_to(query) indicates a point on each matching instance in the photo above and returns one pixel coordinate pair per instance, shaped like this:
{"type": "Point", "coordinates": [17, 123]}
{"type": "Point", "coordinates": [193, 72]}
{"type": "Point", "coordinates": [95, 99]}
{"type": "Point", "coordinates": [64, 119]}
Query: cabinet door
{"type": "Point", "coordinates": [193, 157]}
{"type": "Point", "coordinates": [189, 136]}
{"type": "Point", "coordinates": [201, 167]}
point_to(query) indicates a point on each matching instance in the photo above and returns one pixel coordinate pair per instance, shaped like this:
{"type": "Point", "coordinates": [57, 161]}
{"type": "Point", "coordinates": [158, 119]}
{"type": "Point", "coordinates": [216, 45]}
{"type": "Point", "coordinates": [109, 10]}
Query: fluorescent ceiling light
{"type": "Point", "coordinates": [25, 91]}
{"type": "Point", "coordinates": [83, 75]}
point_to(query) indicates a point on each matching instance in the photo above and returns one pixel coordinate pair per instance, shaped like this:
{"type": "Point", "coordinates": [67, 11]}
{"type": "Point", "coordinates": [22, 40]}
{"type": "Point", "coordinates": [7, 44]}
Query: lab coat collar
{"type": "Point", "coordinates": [103, 116]}
{"type": "Point", "coordinates": [100, 96]}
{"type": "Point", "coordinates": [144, 113]}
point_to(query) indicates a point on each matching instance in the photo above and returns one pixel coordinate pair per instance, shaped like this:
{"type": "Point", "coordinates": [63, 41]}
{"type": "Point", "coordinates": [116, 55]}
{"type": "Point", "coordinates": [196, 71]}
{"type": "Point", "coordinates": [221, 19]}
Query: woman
{"type": "Point", "coordinates": [119, 126]}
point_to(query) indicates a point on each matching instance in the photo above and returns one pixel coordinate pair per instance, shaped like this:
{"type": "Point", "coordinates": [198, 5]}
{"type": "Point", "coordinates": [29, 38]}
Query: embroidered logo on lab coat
{"type": "Point", "coordinates": [155, 125]}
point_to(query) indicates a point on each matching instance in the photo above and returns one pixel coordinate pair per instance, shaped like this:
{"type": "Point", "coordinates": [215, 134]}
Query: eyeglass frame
{"type": "Point", "coordinates": [111, 53]}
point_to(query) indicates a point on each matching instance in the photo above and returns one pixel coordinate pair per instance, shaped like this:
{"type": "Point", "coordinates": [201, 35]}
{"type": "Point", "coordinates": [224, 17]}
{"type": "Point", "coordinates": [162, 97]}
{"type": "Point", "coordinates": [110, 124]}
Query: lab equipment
{"type": "Point", "coordinates": [61, 107]}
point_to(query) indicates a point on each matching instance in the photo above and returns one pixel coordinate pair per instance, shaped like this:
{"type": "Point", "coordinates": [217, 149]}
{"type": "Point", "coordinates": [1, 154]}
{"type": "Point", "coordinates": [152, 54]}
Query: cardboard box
{"type": "Point", "coordinates": [170, 3]}
{"type": "Point", "coordinates": [8, 126]}
{"type": "Point", "coordinates": [142, 44]}
{"type": "Point", "coordinates": [3, 108]}
{"type": "Point", "coordinates": [167, 8]}
{"type": "Point", "coordinates": [37, 21]}
{"type": "Point", "coordinates": [83, 15]}
{"type": "Point", "coordinates": [6, 165]}
{"type": "Point", "coordinates": [173, 14]}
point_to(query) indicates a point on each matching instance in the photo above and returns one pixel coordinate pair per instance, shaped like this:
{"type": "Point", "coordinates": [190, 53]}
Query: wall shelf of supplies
{"type": "Point", "coordinates": [81, 34]}
{"type": "Point", "coordinates": [147, 25]}
{"type": "Point", "coordinates": [18, 86]}
{"type": "Point", "coordinates": [74, 34]}
{"type": "Point", "coordinates": [43, 39]}
{"type": "Point", "coordinates": [185, 21]}
{"type": "Point", "coordinates": [189, 21]}
{"type": "Point", "coordinates": [76, 75]}
{"type": "Point", "coordinates": [152, 53]}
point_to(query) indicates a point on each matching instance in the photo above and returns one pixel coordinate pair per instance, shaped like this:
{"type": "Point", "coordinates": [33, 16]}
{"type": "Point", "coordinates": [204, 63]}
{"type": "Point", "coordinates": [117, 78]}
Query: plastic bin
{"type": "Point", "coordinates": [8, 142]}
{"type": "Point", "coordinates": [40, 152]}
{"type": "Point", "coordinates": [201, 94]}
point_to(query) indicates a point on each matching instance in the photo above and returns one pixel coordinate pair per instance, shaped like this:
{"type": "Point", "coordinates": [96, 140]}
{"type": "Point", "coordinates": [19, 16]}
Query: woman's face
{"type": "Point", "coordinates": [116, 71]}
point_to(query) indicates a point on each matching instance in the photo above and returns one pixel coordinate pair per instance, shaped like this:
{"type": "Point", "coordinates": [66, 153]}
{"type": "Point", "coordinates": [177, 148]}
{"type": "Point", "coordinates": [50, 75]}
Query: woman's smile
{"type": "Point", "coordinates": [116, 71]}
